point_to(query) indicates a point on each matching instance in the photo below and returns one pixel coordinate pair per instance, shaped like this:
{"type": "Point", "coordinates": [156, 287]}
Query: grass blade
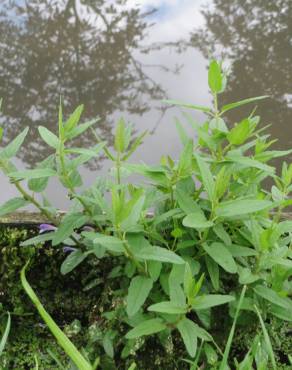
{"type": "Point", "coordinates": [5, 335]}
{"type": "Point", "coordinates": [224, 365]}
{"type": "Point", "coordinates": [62, 339]}
{"type": "Point", "coordinates": [267, 339]}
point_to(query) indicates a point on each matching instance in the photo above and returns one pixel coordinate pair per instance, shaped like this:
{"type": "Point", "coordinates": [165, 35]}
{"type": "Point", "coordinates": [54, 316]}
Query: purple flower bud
{"type": "Point", "coordinates": [69, 249]}
{"type": "Point", "coordinates": [46, 227]}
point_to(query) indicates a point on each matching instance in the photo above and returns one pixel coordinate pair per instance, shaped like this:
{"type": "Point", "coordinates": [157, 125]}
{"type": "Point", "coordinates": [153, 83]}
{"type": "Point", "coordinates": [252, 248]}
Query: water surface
{"type": "Point", "coordinates": [123, 57]}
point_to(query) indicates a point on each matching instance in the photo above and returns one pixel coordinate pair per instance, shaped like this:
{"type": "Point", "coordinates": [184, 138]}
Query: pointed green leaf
{"type": "Point", "coordinates": [197, 221]}
{"type": "Point", "coordinates": [67, 226]}
{"type": "Point", "coordinates": [78, 130]}
{"type": "Point", "coordinates": [211, 300]}
{"type": "Point", "coordinates": [38, 239]}
{"type": "Point", "coordinates": [187, 330]}
{"type": "Point", "coordinates": [12, 205]}
{"type": "Point", "coordinates": [213, 270]}
{"type": "Point", "coordinates": [168, 307]}
{"type": "Point", "coordinates": [215, 77]}
{"type": "Point", "coordinates": [241, 207]}
{"type": "Point", "coordinates": [187, 105]}
{"type": "Point", "coordinates": [111, 243]}
{"type": "Point", "coordinates": [273, 297]}
{"type": "Point", "coordinates": [72, 261]}
{"type": "Point", "coordinates": [12, 148]}
{"type": "Point", "coordinates": [221, 255]}
{"type": "Point", "coordinates": [73, 120]}
{"type": "Point", "coordinates": [39, 185]}
{"type": "Point", "coordinates": [207, 178]}
{"type": "Point", "coordinates": [186, 203]}
{"type": "Point", "coordinates": [139, 290]}
{"type": "Point", "coordinates": [33, 174]}
{"type": "Point", "coordinates": [147, 327]}
{"type": "Point", "coordinates": [48, 137]}
{"type": "Point", "coordinates": [159, 254]}
{"type": "Point", "coordinates": [230, 106]}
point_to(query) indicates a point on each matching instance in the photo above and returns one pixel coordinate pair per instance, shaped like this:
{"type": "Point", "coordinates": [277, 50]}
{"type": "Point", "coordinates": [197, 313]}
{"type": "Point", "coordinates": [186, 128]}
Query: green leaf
{"type": "Point", "coordinates": [273, 297]}
{"type": "Point", "coordinates": [189, 282]}
{"type": "Point", "coordinates": [168, 307]}
{"type": "Point", "coordinates": [62, 339]}
{"type": "Point", "coordinates": [33, 174]}
{"type": "Point", "coordinates": [280, 312]}
{"type": "Point", "coordinates": [12, 205]}
{"type": "Point", "coordinates": [222, 234]}
{"type": "Point", "coordinates": [12, 148]}
{"type": "Point", "coordinates": [241, 207]}
{"type": "Point", "coordinates": [134, 208]}
{"type": "Point", "coordinates": [93, 152]}
{"type": "Point", "coordinates": [186, 203]}
{"type": "Point", "coordinates": [67, 226]}
{"type": "Point", "coordinates": [80, 129]}
{"type": "Point", "coordinates": [175, 279]}
{"type": "Point", "coordinates": [230, 106]}
{"type": "Point", "coordinates": [185, 162]}
{"type": "Point", "coordinates": [218, 123]}
{"type": "Point", "coordinates": [221, 255]}
{"type": "Point", "coordinates": [176, 292]}
{"type": "Point", "coordinates": [215, 77]}
{"type": "Point", "coordinates": [239, 251]}
{"type": "Point", "coordinates": [197, 221]}
{"type": "Point", "coordinates": [122, 136]}
{"type": "Point", "coordinates": [210, 300]}
{"type": "Point", "coordinates": [38, 239]}
{"type": "Point", "coordinates": [213, 270]}
{"type": "Point", "coordinates": [159, 254]}
{"type": "Point", "coordinates": [207, 177]}
{"type": "Point", "coordinates": [107, 342]}
{"type": "Point", "coordinates": [111, 243]}
{"type": "Point", "coordinates": [187, 330]}
{"type": "Point", "coordinates": [187, 105]}
{"type": "Point", "coordinates": [147, 327]}
{"type": "Point", "coordinates": [154, 268]}
{"type": "Point", "coordinates": [74, 119]}
{"type": "Point", "coordinates": [39, 185]}
{"type": "Point", "coordinates": [184, 137]}
{"type": "Point", "coordinates": [239, 133]}
{"type": "Point", "coordinates": [48, 137]}
{"type": "Point", "coordinates": [5, 334]}
{"type": "Point", "coordinates": [135, 145]}
{"type": "Point", "coordinates": [85, 155]}
{"type": "Point", "coordinates": [249, 162]}
{"type": "Point", "coordinates": [139, 290]}
{"type": "Point", "coordinates": [72, 261]}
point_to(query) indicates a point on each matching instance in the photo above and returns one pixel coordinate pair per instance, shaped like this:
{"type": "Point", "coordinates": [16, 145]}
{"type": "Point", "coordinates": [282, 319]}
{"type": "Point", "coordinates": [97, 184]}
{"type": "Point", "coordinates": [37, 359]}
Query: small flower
{"type": "Point", "coordinates": [69, 249]}
{"type": "Point", "coordinates": [46, 227]}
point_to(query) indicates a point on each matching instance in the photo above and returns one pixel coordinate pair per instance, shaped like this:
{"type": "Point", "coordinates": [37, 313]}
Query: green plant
{"type": "Point", "coordinates": [5, 335]}
{"type": "Point", "coordinates": [215, 228]}
{"type": "Point", "coordinates": [62, 339]}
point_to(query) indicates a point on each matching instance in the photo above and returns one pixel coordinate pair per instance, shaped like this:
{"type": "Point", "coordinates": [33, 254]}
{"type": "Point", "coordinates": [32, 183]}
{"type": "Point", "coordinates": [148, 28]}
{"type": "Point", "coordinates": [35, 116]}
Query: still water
{"type": "Point", "coordinates": [121, 58]}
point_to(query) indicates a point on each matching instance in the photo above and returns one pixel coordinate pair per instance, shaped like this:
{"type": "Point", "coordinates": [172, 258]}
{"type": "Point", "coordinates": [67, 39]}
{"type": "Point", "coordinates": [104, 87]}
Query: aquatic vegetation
{"type": "Point", "coordinates": [193, 252]}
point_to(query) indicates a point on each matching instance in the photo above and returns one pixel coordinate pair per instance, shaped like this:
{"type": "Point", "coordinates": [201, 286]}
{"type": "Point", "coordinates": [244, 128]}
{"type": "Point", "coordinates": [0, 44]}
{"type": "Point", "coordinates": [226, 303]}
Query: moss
{"type": "Point", "coordinates": [67, 299]}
